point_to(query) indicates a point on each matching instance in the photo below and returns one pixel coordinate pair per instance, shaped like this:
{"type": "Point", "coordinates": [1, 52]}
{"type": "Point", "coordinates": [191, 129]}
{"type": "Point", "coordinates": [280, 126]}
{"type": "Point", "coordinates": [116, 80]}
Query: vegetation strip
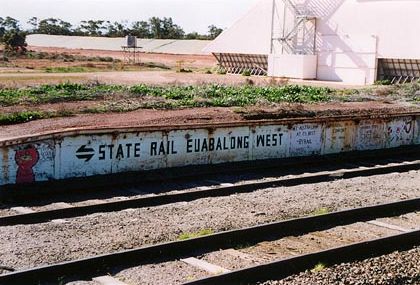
{"type": "Point", "coordinates": [216, 95]}
{"type": "Point", "coordinates": [280, 269]}
{"type": "Point", "coordinates": [101, 264]}
{"type": "Point", "coordinates": [70, 212]}
{"type": "Point", "coordinates": [119, 98]}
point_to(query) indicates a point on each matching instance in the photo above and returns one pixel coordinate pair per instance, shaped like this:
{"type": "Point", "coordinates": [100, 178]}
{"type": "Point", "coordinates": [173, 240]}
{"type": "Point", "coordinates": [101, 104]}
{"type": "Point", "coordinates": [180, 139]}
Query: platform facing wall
{"type": "Point", "coordinates": [69, 155]}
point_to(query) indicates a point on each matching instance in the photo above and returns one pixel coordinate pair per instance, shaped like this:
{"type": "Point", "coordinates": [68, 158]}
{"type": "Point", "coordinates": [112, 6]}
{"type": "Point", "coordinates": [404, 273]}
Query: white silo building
{"type": "Point", "coordinates": [352, 41]}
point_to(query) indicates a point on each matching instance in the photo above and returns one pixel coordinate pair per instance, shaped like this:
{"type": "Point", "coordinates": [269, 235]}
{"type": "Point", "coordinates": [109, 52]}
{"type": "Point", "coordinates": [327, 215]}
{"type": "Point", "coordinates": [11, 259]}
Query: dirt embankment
{"type": "Point", "coordinates": [149, 117]}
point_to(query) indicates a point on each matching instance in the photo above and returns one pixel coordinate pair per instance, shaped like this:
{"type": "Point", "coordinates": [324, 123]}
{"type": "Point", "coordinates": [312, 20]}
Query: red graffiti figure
{"type": "Point", "coordinates": [26, 159]}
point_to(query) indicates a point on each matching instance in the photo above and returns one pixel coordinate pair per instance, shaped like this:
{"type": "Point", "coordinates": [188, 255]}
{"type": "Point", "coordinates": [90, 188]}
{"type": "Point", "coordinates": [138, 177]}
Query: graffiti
{"type": "Point", "coordinates": [391, 135]}
{"type": "Point", "coordinates": [408, 126]}
{"type": "Point", "coordinates": [399, 133]}
{"type": "Point", "coordinates": [26, 159]}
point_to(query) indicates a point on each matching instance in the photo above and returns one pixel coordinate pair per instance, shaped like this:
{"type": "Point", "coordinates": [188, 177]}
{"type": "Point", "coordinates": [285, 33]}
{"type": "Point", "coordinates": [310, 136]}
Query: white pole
{"type": "Point", "coordinates": [272, 25]}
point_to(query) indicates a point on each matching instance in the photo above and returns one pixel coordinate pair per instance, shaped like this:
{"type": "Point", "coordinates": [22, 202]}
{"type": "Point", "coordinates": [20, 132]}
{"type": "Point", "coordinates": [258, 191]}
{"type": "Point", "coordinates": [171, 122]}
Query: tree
{"type": "Point", "coordinates": [141, 29]}
{"type": "Point", "coordinates": [156, 28]}
{"type": "Point", "coordinates": [165, 29]}
{"type": "Point", "coordinates": [52, 26]}
{"type": "Point", "coordinates": [2, 29]}
{"type": "Point", "coordinates": [171, 30]}
{"type": "Point", "coordinates": [214, 32]}
{"type": "Point", "coordinates": [8, 24]}
{"type": "Point", "coordinates": [195, 36]}
{"type": "Point", "coordinates": [192, 36]}
{"type": "Point", "coordinates": [15, 41]}
{"type": "Point", "coordinates": [11, 36]}
{"type": "Point", "coordinates": [34, 23]}
{"type": "Point", "coordinates": [93, 27]}
{"type": "Point", "coordinates": [116, 29]}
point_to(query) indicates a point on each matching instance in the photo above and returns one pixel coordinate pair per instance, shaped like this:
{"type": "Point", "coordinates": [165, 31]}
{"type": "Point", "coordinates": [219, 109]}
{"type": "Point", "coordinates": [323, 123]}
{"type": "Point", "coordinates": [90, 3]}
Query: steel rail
{"type": "Point", "coordinates": [71, 212]}
{"type": "Point", "coordinates": [101, 264]}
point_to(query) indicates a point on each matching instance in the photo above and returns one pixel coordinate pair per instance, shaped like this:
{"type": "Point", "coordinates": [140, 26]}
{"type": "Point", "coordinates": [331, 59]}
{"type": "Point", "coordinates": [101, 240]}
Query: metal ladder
{"type": "Point", "coordinates": [296, 39]}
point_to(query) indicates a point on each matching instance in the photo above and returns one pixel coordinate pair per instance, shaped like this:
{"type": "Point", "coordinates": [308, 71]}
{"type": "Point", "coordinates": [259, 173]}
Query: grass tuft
{"type": "Point", "coordinates": [204, 232]}
{"type": "Point", "coordinates": [321, 211]}
{"type": "Point", "coordinates": [319, 267]}
{"type": "Point", "coordinates": [22, 117]}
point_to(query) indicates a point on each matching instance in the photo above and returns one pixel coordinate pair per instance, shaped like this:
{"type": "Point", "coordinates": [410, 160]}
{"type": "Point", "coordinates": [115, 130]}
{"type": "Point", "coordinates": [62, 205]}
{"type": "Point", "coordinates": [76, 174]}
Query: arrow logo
{"type": "Point", "coordinates": [85, 153]}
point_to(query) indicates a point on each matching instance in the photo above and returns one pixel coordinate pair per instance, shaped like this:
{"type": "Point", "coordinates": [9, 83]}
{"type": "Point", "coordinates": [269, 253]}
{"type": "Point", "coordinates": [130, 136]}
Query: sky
{"type": "Point", "coordinates": [191, 15]}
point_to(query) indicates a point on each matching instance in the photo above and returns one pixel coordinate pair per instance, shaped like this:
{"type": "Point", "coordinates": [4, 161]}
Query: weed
{"type": "Point", "coordinates": [246, 72]}
{"type": "Point", "coordinates": [221, 71]}
{"type": "Point", "coordinates": [249, 81]}
{"type": "Point", "coordinates": [383, 82]}
{"type": "Point", "coordinates": [416, 97]}
{"type": "Point", "coordinates": [183, 96]}
{"type": "Point", "coordinates": [204, 232]}
{"type": "Point", "coordinates": [242, 246]}
{"type": "Point", "coordinates": [106, 59]}
{"type": "Point", "coordinates": [123, 99]}
{"type": "Point", "coordinates": [21, 117]}
{"type": "Point", "coordinates": [96, 110]}
{"type": "Point", "coordinates": [185, 70]}
{"type": "Point", "coordinates": [65, 57]}
{"type": "Point", "coordinates": [191, 278]}
{"type": "Point", "coordinates": [155, 65]}
{"type": "Point", "coordinates": [67, 69]}
{"type": "Point", "coordinates": [320, 211]}
{"type": "Point", "coordinates": [319, 267]}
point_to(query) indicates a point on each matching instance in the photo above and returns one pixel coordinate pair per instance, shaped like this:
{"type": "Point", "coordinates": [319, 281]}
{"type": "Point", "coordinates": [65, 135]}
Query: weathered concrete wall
{"type": "Point", "coordinates": [350, 35]}
{"type": "Point", "coordinates": [99, 153]}
{"type": "Point", "coordinates": [194, 47]}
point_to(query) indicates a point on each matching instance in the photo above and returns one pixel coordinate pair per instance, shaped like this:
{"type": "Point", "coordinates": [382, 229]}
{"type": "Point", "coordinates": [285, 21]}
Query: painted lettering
{"type": "Point", "coordinates": [162, 148]}
{"type": "Point", "coordinates": [102, 152]}
{"type": "Point", "coordinates": [120, 151]}
{"type": "Point", "coordinates": [198, 145]}
{"type": "Point", "coordinates": [137, 150]}
{"type": "Point", "coordinates": [269, 140]}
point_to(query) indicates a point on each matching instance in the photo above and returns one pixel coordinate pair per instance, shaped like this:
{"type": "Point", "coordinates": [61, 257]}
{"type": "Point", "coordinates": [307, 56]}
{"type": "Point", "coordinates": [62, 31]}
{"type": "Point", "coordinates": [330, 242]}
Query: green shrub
{"type": "Point", "coordinates": [246, 72]}
{"type": "Point", "coordinates": [383, 82]}
{"type": "Point", "coordinates": [21, 117]}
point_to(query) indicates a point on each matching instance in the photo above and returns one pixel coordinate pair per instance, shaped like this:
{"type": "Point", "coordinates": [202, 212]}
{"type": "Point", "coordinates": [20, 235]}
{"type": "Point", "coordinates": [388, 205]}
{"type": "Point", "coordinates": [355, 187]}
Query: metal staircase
{"type": "Point", "coordinates": [299, 38]}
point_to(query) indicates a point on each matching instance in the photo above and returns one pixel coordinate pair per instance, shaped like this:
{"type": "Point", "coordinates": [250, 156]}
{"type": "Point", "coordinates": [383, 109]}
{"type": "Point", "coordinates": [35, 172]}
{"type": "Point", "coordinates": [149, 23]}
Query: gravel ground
{"type": "Point", "coordinates": [397, 268]}
{"type": "Point", "coordinates": [264, 252]}
{"type": "Point", "coordinates": [316, 241]}
{"type": "Point", "coordinates": [26, 246]}
{"type": "Point", "coordinates": [178, 272]}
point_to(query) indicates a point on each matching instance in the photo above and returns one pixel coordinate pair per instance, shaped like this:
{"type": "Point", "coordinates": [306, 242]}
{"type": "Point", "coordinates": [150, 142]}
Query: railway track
{"type": "Point", "coordinates": [29, 216]}
{"type": "Point", "coordinates": [394, 226]}
{"type": "Point", "coordinates": [244, 243]}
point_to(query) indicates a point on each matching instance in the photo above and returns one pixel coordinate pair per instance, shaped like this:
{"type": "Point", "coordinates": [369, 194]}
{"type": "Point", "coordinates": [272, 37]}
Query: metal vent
{"type": "Point", "coordinates": [398, 70]}
{"type": "Point", "coordinates": [255, 64]}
